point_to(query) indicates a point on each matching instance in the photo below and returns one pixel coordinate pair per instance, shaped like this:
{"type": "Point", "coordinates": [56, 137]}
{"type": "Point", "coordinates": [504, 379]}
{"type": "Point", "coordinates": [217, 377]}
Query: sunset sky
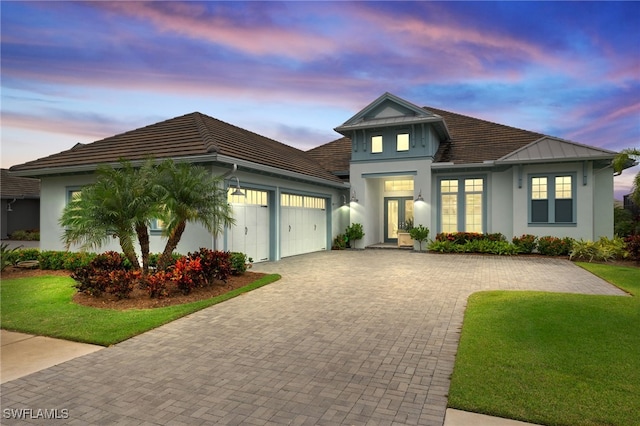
{"type": "Point", "coordinates": [78, 72]}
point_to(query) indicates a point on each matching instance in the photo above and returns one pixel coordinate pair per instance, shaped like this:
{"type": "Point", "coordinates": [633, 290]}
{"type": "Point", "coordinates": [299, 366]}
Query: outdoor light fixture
{"type": "Point", "coordinates": [237, 191]}
{"type": "Point", "coordinates": [353, 197]}
{"type": "Point", "coordinates": [9, 209]}
{"type": "Point", "coordinates": [344, 200]}
{"type": "Point", "coordinates": [419, 197]}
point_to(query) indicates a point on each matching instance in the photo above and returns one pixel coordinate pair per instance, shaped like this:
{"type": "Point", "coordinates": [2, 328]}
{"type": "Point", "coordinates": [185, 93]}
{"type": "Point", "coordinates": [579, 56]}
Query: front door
{"type": "Point", "coordinates": [397, 210]}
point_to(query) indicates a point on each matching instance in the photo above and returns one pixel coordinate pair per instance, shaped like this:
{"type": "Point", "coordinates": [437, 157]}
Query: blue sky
{"type": "Point", "coordinates": [81, 71]}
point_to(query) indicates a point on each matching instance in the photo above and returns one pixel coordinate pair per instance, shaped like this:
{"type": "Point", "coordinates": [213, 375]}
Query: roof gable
{"type": "Point", "coordinates": [193, 136]}
{"type": "Point", "coordinates": [389, 110]}
{"type": "Point", "coordinates": [550, 149]}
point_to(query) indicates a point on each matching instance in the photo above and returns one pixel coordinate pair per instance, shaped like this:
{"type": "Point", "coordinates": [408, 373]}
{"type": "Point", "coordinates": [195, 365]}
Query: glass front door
{"type": "Point", "coordinates": [397, 211]}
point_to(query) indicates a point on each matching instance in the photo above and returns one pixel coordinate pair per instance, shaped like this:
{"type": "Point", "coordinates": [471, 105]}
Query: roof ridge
{"type": "Point", "coordinates": [209, 143]}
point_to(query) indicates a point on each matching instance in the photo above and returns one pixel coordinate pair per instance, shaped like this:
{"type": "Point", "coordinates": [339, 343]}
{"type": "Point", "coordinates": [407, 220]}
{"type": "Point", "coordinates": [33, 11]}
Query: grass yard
{"type": "Point", "coordinates": [44, 306]}
{"type": "Point", "coordinates": [553, 359]}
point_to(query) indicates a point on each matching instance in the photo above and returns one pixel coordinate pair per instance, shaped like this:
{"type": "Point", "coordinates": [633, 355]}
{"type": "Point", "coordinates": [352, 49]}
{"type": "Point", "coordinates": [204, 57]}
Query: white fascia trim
{"type": "Point", "coordinates": [281, 172]}
{"type": "Point", "coordinates": [443, 166]}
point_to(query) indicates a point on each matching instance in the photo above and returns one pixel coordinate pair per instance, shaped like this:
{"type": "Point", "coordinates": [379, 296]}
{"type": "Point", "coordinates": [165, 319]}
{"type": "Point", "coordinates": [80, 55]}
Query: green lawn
{"type": "Point", "coordinates": [43, 306]}
{"type": "Point", "coordinates": [553, 359]}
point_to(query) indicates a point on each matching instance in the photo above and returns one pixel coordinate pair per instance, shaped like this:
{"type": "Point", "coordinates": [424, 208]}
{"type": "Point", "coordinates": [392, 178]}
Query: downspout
{"type": "Point", "coordinates": [234, 169]}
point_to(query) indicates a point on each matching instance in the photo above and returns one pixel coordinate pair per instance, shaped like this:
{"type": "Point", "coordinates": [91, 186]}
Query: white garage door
{"type": "Point", "coordinates": [303, 227]}
{"type": "Point", "coordinates": [250, 234]}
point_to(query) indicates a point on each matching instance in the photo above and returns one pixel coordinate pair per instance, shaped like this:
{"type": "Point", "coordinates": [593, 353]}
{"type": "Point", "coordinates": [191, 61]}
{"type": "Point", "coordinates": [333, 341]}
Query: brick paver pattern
{"type": "Point", "coordinates": [350, 337]}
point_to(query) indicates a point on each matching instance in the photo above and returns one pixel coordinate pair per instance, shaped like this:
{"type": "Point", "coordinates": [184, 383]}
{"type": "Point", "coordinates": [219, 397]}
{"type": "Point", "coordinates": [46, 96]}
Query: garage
{"type": "Point", "coordinates": [250, 234]}
{"type": "Point", "coordinates": [303, 226]}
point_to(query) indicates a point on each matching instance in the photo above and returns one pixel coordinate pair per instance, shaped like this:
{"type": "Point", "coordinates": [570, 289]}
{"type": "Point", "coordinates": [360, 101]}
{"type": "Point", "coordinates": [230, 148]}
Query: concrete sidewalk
{"type": "Point", "coordinates": [344, 338]}
{"type": "Point", "coordinates": [23, 354]}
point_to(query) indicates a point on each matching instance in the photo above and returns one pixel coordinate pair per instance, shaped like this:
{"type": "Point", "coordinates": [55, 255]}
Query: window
{"type": "Point", "coordinates": [376, 144]}
{"type": "Point", "coordinates": [398, 185]}
{"type": "Point", "coordinates": [552, 199]}
{"type": "Point", "coordinates": [157, 225]}
{"type": "Point", "coordinates": [462, 205]}
{"type": "Point", "coordinates": [402, 142]}
{"type": "Point", "coordinates": [291, 200]}
{"type": "Point", "coordinates": [251, 196]}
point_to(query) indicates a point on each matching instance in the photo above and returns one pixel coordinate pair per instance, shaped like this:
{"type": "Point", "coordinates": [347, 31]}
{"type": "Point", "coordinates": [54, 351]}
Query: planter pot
{"type": "Point", "coordinates": [404, 239]}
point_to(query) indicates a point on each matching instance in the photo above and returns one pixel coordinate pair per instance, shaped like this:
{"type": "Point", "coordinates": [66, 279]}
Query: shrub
{"type": "Point", "coordinates": [633, 247]}
{"type": "Point", "coordinates": [6, 255]}
{"type": "Point", "coordinates": [20, 255]}
{"type": "Point", "coordinates": [420, 234]}
{"type": "Point", "coordinates": [354, 232]}
{"type": "Point", "coordinates": [459, 237]}
{"type": "Point", "coordinates": [26, 235]}
{"type": "Point", "coordinates": [121, 282]}
{"type": "Point", "coordinates": [604, 249]}
{"type": "Point", "coordinates": [239, 263]}
{"type": "Point", "coordinates": [187, 274]}
{"type": "Point", "coordinates": [95, 279]}
{"type": "Point", "coordinates": [215, 264]}
{"type": "Point", "coordinates": [339, 242]}
{"type": "Point", "coordinates": [157, 284]}
{"type": "Point", "coordinates": [444, 247]}
{"type": "Point", "coordinates": [525, 244]}
{"type": "Point", "coordinates": [153, 259]}
{"type": "Point", "coordinates": [554, 246]}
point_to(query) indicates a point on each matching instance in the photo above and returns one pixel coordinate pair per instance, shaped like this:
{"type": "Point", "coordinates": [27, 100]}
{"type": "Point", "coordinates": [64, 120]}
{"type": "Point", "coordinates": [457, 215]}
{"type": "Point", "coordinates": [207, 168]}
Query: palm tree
{"type": "Point", "coordinates": [121, 203]}
{"type": "Point", "coordinates": [626, 158]}
{"type": "Point", "coordinates": [190, 194]}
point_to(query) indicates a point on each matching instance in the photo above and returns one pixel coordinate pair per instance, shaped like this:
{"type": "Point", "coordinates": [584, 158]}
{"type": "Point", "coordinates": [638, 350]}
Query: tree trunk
{"type": "Point", "coordinates": [172, 243]}
{"type": "Point", "coordinates": [143, 239]}
{"type": "Point", "coordinates": [127, 248]}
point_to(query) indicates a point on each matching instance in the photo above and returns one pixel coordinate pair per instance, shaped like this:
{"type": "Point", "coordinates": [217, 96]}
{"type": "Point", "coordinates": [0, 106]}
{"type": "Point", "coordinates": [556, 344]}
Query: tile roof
{"type": "Point", "coordinates": [333, 156]}
{"type": "Point", "coordinates": [190, 135]}
{"type": "Point", "coordinates": [472, 141]}
{"type": "Point", "coordinates": [18, 187]}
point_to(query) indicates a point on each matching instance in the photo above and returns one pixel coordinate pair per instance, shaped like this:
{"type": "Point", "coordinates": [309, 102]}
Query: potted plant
{"type": "Point", "coordinates": [419, 233]}
{"type": "Point", "coordinates": [404, 237]}
{"type": "Point", "coordinates": [353, 233]}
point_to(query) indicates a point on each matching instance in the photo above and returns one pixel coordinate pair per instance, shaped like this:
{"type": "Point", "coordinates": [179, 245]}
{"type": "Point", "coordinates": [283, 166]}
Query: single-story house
{"type": "Point", "coordinates": [20, 204]}
{"type": "Point", "coordinates": [395, 162]}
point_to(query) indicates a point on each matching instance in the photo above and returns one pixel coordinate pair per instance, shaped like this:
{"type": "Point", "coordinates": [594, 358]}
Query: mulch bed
{"type": "Point", "coordinates": [139, 299]}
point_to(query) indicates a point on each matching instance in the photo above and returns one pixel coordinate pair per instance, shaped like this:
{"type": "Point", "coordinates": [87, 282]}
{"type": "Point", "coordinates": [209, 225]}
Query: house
{"type": "Point", "coordinates": [396, 161]}
{"type": "Point", "coordinates": [20, 203]}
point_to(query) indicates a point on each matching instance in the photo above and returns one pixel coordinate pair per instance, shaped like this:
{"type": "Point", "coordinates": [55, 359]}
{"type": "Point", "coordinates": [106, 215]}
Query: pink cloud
{"type": "Point", "coordinates": [191, 20]}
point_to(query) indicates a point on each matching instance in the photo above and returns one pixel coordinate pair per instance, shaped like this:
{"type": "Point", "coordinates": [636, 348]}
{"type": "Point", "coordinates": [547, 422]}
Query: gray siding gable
{"type": "Point", "coordinates": [387, 117]}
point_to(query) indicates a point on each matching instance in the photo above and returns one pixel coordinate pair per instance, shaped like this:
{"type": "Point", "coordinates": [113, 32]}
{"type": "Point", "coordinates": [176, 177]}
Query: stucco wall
{"type": "Point", "coordinates": [54, 198]}
{"type": "Point", "coordinates": [586, 214]}
{"type": "Point", "coordinates": [367, 182]}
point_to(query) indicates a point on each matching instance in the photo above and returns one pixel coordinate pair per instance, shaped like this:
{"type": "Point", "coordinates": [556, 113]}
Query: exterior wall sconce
{"type": "Point", "coordinates": [419, 197]}
{"type": "Point", "coordinates": [353, 197]}
{"type": "Point", "coordinates": [344, 200]}
{"type": "Point", "coordinates": [237, 191]}
{"type": "Point", "coordinates": [9, 209]}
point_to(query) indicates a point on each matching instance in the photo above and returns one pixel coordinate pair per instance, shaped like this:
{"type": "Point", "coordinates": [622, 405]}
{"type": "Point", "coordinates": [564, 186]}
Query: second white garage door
{"type": "Point", "coordinates": [303, 225]}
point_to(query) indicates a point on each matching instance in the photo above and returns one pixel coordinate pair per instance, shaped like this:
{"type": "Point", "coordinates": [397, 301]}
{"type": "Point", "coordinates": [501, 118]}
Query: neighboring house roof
{"type": "Point", "coordinates": [192, 136]}
{"type": "Point", "coordinates": [550, 149]}
{"type": "Point", "coordinates": [333, 156]}
{"type": "Point", "coordinates": [18, 187]}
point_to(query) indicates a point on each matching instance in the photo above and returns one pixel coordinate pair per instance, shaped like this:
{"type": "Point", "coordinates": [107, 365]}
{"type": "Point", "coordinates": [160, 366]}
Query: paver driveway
{"type": "Point", "coordinates": [353, 337]}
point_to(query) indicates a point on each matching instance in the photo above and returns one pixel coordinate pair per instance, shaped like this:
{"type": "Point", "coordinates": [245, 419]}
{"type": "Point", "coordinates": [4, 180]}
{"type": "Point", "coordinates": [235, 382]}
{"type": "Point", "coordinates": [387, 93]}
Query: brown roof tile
{"type": "Point", "coordinates": [474, 140]}
{"type": "Point", "coordinates": [18, 187]}
{"type": "Point", "coordinates": [190, 135]}
{"type": "Point", "coordinates": [333, 156]}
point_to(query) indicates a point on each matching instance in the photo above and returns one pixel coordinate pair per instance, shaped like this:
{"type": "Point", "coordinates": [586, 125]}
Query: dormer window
{"type": "Point", "coordinates": [376, 144]}
{"type": "Point", "coordinates": [402, 142]}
